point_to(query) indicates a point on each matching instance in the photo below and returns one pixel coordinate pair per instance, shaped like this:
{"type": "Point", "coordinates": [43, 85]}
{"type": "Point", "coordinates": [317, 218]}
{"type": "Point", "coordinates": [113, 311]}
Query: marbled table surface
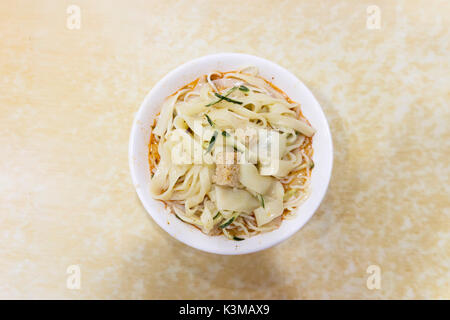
{"type": "Point", "coordinates": [67, 101]}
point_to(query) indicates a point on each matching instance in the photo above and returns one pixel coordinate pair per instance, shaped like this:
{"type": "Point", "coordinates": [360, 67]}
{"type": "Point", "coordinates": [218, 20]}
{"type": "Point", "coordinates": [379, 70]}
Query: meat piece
{"type": "Point", "coordinates": [227, 170]}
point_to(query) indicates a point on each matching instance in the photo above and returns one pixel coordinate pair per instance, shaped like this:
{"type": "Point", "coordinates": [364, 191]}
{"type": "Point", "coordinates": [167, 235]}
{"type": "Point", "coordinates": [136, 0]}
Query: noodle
{"type": "Point", "coordinates": [230, 154]}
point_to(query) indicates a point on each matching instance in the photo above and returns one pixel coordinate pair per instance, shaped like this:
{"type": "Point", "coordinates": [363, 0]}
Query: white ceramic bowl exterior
{"type": "Point", "coordinates": [286, 81]}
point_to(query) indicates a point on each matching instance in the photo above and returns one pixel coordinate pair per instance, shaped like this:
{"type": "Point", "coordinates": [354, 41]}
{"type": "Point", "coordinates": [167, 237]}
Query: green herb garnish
{"type": "Point", "coordinates": [227, 99]}
{"type": "Point", "coordinates": [226, 95]}
{"type": "Point", "coordinates": [209, 121]}
{"type": "Point", "coordinates": [237, 238]}
{"type": "Point", "coordinates": [212, 141]}
{"type": "Point", "coordinates": [311, 165]}
{"type": "Point", "coordinates": [218, 214]}
{"type": "Point", "coordinates": [244, 88]}
{"type": "Point", "coordinates": [226, 224]}
{"type": "Point", "coordinates": [262, 200]}
{"type": "Point", "coordinates": [225, 134]}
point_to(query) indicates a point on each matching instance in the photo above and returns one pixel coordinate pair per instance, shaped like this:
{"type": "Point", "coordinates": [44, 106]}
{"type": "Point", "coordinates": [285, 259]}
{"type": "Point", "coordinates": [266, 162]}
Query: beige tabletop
{"type": "Point", "coordinates": [72, 77]}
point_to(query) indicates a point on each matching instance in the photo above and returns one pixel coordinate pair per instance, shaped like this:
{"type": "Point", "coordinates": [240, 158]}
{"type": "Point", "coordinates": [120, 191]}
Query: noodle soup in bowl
{"type": "Point", "coordinates": [215, 224]}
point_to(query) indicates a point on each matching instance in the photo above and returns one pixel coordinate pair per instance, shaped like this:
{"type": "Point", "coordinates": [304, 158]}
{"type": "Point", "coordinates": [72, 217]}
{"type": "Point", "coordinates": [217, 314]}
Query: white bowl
{"type": "Point", "coordinates": [286, 81]}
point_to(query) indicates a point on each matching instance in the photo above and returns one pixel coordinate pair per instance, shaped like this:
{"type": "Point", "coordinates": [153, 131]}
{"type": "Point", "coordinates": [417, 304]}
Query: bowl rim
{"type": "Point", "coordinates": [134, 171]}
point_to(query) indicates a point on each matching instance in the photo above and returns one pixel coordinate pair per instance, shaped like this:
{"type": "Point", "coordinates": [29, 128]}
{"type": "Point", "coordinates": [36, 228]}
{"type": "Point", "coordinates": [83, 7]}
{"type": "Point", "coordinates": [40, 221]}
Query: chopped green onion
{"type": "Point", "coordinates": [262, 200]}
{"type": "Point", "coordinates": [212, 141]}
{"type": "Point", "coordinates": [209, 121]}
{"type": "Point", "coordinates": [227, 99]}
{"type": "Point", "coordinates": [226, 95]}
{"type": "Point", "coordinates": [311, 164]}
{"type": "Point", "coordinates": [218, 214]}
{"type": "Point", "coordinates": [225, 134]}
{"type": "Point", "coordinates": [244, 88]}
{"type": "Point", "coordinates": [178, 217]}
{"type": "Point", "coordinates": [237, 238]}
{"type": "Point", "coordinates": [226, 224]}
